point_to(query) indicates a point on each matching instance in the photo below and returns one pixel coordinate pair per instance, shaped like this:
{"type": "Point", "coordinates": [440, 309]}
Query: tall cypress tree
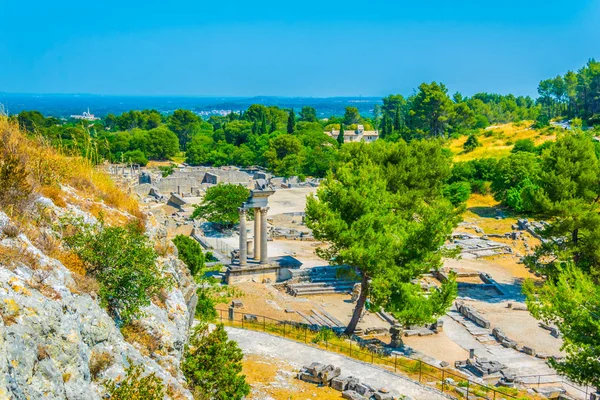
{"type": "Point", "coordinates": [263, 125]}
{"type": "Point", "coordinates": [397, 120]}
{"type": "Point", "coordinates": [384, 126]}
{"type": "Point", "coordinates": [291, 122]}
{"type": "Point", "coordinates": [273, 126]}
{"type": "Point", "coordinates": [340, 138]}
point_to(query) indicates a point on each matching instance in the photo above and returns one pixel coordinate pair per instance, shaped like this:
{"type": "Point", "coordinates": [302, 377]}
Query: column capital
{"type": "Point", "coordinates": [242, 210]}
{"type": "Point", "coordinates": [263, 210]}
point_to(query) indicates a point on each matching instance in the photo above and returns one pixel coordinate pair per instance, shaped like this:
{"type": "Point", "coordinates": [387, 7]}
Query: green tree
{"type": "Point", "coordinates": [351, 116]}
{"type": "Point", "coordinates": [184, 123]}
{"type": "Point", "coordinates": [382, 211]}
{"type": "Point", "coordinates": [291, 123]}
{"type": "Point", "coordinates": [471, 143]}
{"type": "Point", "coordinates": [212, 365]}
{"type": "Point", "coordinates": [308, 114]}
{"type": "Point", "coordinates": [136, 157]}
{"type": "Point", "coordinates": [161, 144]}
{"type": "Point", "coordinates": [571, 301]}
{"type": "Point", "coordinates": [340, 138]}
{"type": "Point", "coordinates": [221, 203]}
{"type": "Point", "coordinates": [123, 262]}
{"type": "Point", "coordinates": [198, 149]}
{"type": "Point", "coordinates": [285, 155]}
{"type": "Point", "coordinates": [190, 252]}
{"type": "Point", "coordinates": [513, 174]}
{"type": "Point", "coordinates": [431, 110]}
{"type": "Point", "coordinates": [525, 145]}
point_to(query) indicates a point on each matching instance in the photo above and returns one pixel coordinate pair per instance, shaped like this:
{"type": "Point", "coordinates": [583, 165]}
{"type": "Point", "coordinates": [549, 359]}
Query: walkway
{"type": "Point", "coordinates": [299, 354]}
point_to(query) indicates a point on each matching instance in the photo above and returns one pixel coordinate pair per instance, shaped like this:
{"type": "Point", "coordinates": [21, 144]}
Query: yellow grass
{"type": "Point", "coordinates": [49, 168]}
{"type": "Point", "coordinates": [497, 141]}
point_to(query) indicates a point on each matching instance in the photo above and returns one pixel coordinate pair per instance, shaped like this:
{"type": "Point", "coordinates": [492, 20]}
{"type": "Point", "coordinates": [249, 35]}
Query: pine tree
{"type": "Point", "coordinates": [340, 138]}
{"type": "Point", "coordinates": [291, 122]}
{"type": "Point", "coordinates": [273, 126]}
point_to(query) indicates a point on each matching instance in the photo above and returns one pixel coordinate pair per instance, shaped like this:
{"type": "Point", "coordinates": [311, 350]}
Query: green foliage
{"type": "Point", "coordinates": [457, 192]}
{"type": "Point", "coordinates": [340, 138]}
{"type": "Point", "coordinates": [308, 114]}
{"type": "Point", "coordinates": [161, 144]}
{"type": "Point", "coordinates": [291, 122]}
{"type": "Point", "coordinates": [285, 155]}
{"type": "Point", "coordinates": [190, 252]}
{"type": "Point", "coordinates": [541, 121]}
{"type": "Point", "coordinates": [136, 157]}
{"type": "Point", "coordinates": [212, 365]}
{"type": "Point", "coordinates": [383, 212]}
{"type": "Point", "coordinates": [135, 386]}
{"type": "Point", "coordinates": [471, 143]}
{"type": "Point", "coordinates": [166, 170]}
{"type": "Point", "coordinates": [205, 308]}
{"type": "Point", "coordinates": [571, 301]}
{"type": "Point", "coordinates": [525, 145]}
{"type": "Point", "coordinates": [184, 123]}
{"type": "Point", "coordinates": [123, 262]}
{"type": "Point", "coordinates": [324, 335]}
{"type": "Point", "coordinates": [431, 110]}
{"type": "Point", "coordinates": [221, 203]}
{"type": "Point", "coordinates": [513, 174]}
{"type": "Point", "coordinates": [351, 116]}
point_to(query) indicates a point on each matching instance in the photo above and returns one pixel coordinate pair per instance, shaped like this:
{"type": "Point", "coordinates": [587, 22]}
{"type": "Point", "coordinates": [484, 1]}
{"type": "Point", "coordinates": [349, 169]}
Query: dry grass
{"type": "Point", "coordinates": [70, 260]}
{"type": "Point", "coordinates": [54, 194]}
{"type": "Point", "coordinates": [11, 231]}
{"type": "Point", "coordinates": [12, 257]}
{"type": "Point", "coordinates": [99, 362]}
{"type": "Point", "coordinates": [497, 141]}
{"type": "Point", "coordinates": [48, 168]}
{"type": "Point", "coordinates": [135, 333]}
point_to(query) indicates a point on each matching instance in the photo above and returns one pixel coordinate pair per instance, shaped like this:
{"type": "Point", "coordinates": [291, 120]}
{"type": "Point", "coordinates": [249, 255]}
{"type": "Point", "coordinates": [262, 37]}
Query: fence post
{"type": "Point", "coordinates": [443, 380]}
{"type": "Point", "coordinates": [420, 370]}
{"type": "Point", "coordinates": [372, 357]}
{"type": "Point", "coordinates": [395, 359]}
{"type": "Point", "coordinates": [242, 320]}
{"type": "Point", "coordinates": [326, 344]}
{"type": "Point", "coordinates": [305, 334]}
{"type": "Point", "coordinates": [283, 328]}
{"type": "Point", "coordinates": [350, 349]}
{"type": "Point", "coordinates": [264, 324]}
{"type": "Point", "coordinates": [468, 383]}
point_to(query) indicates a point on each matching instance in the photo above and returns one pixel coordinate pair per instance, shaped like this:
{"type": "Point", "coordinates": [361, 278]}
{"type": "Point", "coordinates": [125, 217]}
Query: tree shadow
{"type": "Point", "coordinates": [497, 293]}
{"type": "Point", "coordinates": [486, 212]}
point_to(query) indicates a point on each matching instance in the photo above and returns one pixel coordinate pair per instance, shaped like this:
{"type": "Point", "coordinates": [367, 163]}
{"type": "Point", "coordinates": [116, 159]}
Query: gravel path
{"type": "Point", "coordinates": [298, 355]}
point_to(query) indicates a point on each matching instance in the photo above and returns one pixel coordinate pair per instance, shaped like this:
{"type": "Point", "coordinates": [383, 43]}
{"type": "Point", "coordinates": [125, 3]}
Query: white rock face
{"type": "Point", "coordinates": [49, 331]}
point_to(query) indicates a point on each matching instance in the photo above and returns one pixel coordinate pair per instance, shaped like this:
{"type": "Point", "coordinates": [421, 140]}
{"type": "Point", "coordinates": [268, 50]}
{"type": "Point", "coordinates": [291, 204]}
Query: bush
{"type": "Point", "coordinates": [525, 145]}
{"type": "Point", "coordinates": [221, 202]}
{"type": "Point", "coordinates": [14, 181]}
{"type": "Point", "coordinates": [471, 144]}
{"type": "Point", "coordinates": [136, 387]}
{"type": "Point", "coordinates": [205, 308]}
{"type": "Point", "coordinates": [212, 365]}
{"type": "Point", "coordinates": [124, 264]}
{"type": "Point", "coordinates": [190, 252]}
{"type": "Point", "coordinates": [457, 192]}
{"type": "Point", "coordinates": [99, 362]}
{"type": "Point", "coordinates": [136, 157]}
{"type": "Point", "coordinates": [166, 170]}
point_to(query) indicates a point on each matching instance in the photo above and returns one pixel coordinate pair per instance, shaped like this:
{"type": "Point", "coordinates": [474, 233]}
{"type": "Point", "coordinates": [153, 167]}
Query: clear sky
{"type": "Point", "coordinates": [302, 48]}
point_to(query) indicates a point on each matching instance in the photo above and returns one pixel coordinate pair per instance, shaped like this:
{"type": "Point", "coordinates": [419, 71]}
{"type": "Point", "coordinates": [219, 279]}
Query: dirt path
{"type": "Point", "coordinates": [298, 355]}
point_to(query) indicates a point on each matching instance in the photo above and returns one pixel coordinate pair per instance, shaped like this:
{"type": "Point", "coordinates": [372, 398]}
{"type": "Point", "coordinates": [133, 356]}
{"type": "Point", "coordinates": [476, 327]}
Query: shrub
{"type": "Point", "coordinates": [457, 192]}
{"type": "Point", "coordinates": [14, 181]}
{"type": "Point", "coordinates": [212, 365]}
{"type": "Point", "coordinates": [99, 362]}
{"type": "Point", "coordinates": [471, 144]}
{"type": "Point", "coordinates": [167, 170]}
{"type": "Point", "coordinates": [525, 145]}
{"type": "Point", "coordinates": [205, 308]}
{"type": "Point", "coordinates": [135, 332]}
{"type": "Point", "coordinates": [136, 157]}
{"type": "Point", "coordinates": [221, 202]}
{"type": "Point", "coordinates": [190, 252]}
{"type": "Point", "coordinates": [10, 231]}
{"type": "Point", "coordinates": [124, 264]}
{"type": "Point", "coordinates": [135, 386]}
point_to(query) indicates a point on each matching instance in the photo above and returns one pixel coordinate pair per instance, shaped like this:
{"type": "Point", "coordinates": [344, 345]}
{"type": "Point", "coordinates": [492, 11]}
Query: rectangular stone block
{"type": "Point", "coordinates": [353, 383]}
{"type": "Point", "coordinates": [352, 395]}
{"type": "Point", "coordinates": [339, 384]}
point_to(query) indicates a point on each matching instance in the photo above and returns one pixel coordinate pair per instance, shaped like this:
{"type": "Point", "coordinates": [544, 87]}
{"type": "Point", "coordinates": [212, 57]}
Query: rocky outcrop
{"type": "Point", "coordinates": [57, 342]}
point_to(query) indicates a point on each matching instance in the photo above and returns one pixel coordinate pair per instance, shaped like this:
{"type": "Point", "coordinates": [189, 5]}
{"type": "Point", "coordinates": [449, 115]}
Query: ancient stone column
{"type": "Point", "coordinates": [257, 222]}
{"type": "Point", "coordinates": [263, 235]}
{"type": "Point", "coordinates": [243, 238]}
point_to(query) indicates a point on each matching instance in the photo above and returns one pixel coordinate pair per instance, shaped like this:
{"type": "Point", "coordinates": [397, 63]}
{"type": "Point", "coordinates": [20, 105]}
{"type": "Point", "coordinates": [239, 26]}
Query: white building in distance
{"type": "Point", "coordinates": [358, 135]}
{"type": "Point", "coordinates": [86, 116]}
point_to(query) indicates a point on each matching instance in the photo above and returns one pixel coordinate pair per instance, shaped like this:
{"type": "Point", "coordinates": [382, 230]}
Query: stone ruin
{"type": "Point", "coordinates": [351, 387]}
{"type": "Point", "coordinates": [481, 367]}
{"type": "Point", "coordinates": [472, 314]}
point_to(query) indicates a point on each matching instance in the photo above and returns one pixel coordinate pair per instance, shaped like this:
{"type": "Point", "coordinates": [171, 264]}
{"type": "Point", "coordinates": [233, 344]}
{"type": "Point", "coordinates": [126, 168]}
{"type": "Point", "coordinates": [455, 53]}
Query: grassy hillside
{"type": "Point", "coordinates": [497, 141]}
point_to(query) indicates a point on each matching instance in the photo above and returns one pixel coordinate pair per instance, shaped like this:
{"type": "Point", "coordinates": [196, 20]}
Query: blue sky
{"type": "Point", "coordinates": [309, 48]}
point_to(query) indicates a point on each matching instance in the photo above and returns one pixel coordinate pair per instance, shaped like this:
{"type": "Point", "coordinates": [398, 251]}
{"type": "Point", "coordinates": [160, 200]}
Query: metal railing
{"type": "Point", "coordinates": [447, 381]}
{"type": "Point", "coordinates": [539, 380]}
